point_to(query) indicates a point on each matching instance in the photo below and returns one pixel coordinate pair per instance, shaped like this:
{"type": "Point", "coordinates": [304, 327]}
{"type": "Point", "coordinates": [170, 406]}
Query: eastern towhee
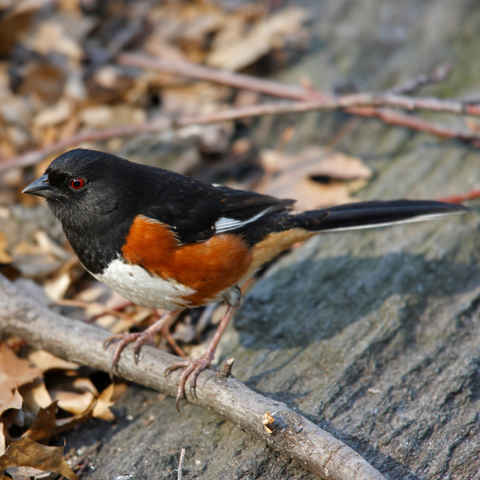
{"type": "Point", "coordinates": [163, 240]}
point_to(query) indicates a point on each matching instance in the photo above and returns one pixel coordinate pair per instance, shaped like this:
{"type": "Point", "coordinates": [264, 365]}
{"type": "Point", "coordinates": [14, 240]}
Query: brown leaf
{"type": "Point", "coordinates": [26, 473]}
{"type": "Point", "coordinates": [14, 402]}
{"type": "Point", "coordinates": [243, 49]}
{"type": "Point", "coordinates": [28, 453]}
{"type": "Point", "coordinates": [104, 402]}
{"type": "Point", "coordinates": [4, 256]}
{"type": "Point", "coordinates": [315, 161]}
{"type": "Point", "coordinates": [73, 402]}
{"type": "Point", "coordinates": [292, 176]}
{"type": "Point", "coordinates": [46, 425]}
{"type": "Point", "coordinates": [14, 372]}
{"type": "Point", "coordinates": [35, 396]}
{"type": "Point", "coordinates": [46, 361]}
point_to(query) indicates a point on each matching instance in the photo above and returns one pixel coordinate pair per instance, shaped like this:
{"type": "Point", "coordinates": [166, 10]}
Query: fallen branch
{"type": "Point", "coordinates": [364, 101]}
{"type": "Point", "coordinates": [268, 87]}
{"type": "Point", "coordinates": [35, 156]}
{"type": "Point", "coordinates": [268, 420]}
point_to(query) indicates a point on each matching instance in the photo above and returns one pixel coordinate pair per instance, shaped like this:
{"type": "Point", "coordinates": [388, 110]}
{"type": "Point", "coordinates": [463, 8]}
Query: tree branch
{"type": "Point", "coordinates": [268, 420]}
{"type": "Point", "coordinates": [291, 92]}
{"type": "Point", "coordinates": [364, 102]}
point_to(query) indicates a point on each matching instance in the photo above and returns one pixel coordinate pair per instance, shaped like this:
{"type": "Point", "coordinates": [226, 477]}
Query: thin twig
{"type": "Point", "coordinates": [365, 102]}
{"type": "Point", "coordinates": [278, 89]}
{"type": "Point", "coordinates": [180, 464]}
{"type": "Point", "coordinates": [34, 156]}
{"type": "Point", "coordinates": [300, 439]}
{"type": "Point", "coordinates": [471, 195]}
{"type": "Point", "coordinates": [438, 75]}
{"type": "Point", "coordinates": [84, 456]}
{"type": "Point", "coordinates": [223, 77]}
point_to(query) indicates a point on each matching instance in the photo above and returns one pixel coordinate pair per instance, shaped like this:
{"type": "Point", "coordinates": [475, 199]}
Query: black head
{"type": "Point", "coordinates": [84, 185]}
{"type": "Point", "coordinates": [95, 195]}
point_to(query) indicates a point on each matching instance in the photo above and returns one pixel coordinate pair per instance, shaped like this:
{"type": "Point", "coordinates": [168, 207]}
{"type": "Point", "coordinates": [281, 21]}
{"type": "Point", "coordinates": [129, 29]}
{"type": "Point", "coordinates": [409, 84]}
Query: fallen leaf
{"type": "Point", "coordinates": [104, 402]}
{"type": "Point", "coordinates": [14, 402]}
{"type": "Point", "coordinates": [4, 256]}
{"type": "Point", "coordinates": [46, 361]}
{"type": "Point", "coordinates": [28, 453]}
{"type": "Point", "coordinates": [315, 161]}
{"type": "Point", "coordinates": [46, 425]}
{"type": "Point", "coordinates": [73, 402]}
{"type": "Point", "coordinates": [26, 473]}
{"type": "Point", "coordinates": [294, 176]}
{"type": "Point", "coordinates": [35, 397]}
{"type": "Point", "coordinates": [14, 372]}
{"type": "Point", "coordinates": [238, 51]}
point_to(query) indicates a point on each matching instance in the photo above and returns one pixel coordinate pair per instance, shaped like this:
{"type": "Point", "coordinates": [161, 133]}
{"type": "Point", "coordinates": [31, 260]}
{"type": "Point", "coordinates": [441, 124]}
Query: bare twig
{"type": "Point", "coordinates": [277, 89]}
{"type": "Point", "coordinates": [366, 102]}
{"type": "Point", "coordinates": [180, 464]}
{"type": "Point", "coordinates": [439, 74]}
{"type": "Point", "coordinates": [34, 156]}
{"type": "Point", "coordinates": [79, 342]}
{"type": "Point", "coordinates": [464, 197]}
{"type": "Point", "coordinates": [223, 77]}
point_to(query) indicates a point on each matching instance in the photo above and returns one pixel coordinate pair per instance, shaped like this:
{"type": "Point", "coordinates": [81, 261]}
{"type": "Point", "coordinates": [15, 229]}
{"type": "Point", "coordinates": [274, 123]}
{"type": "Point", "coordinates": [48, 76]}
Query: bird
{"type": "Point", "coordinates": [164, 240]}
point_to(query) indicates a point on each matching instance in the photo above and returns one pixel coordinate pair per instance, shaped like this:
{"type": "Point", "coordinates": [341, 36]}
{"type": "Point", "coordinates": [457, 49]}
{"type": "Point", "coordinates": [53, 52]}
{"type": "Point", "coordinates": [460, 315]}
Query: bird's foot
{"type": "Point", "coordinates": [190, 374]}
{"type": "Point", "coordinates": [140, 338]}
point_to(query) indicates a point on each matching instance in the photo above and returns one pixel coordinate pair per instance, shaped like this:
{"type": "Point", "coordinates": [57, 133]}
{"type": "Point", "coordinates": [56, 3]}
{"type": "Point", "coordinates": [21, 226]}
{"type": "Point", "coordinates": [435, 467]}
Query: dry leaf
{"type": "Point", "coordinates": [46, 361]}
{"type": "Point", "coordinates": [315, 161]}
{"type": "Point", "coordinates": [58, 113]}
{"type": "Point", "coordinates": [26, 473]}
{"type": "Point", "coordinates": [247, 47]}
{"type": "Point", "coordinates": [14, 372]}
{"type": "Point", "coordinates": [292, 176]}
{"type": "Point", "coordinates": [72, 402]}
{"type": "Point", "coordinates": [104, 402]}
{"type": "Point", "coordinates": [28, 453]}
{"type": "Point", "coordinates": [46, 425]}
{"type": "Point", "coordinates": [4, 256]}
{"type": "Point", "coordinates": [14, 402]}
{"type": "Point", "coordinates": [35, 396]}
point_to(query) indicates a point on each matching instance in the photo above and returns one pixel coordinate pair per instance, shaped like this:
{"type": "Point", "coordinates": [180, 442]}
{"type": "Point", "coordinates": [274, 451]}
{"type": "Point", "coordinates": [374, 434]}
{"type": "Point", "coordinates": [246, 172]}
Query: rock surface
{"type": "Point", "coordinates": [372, 335]}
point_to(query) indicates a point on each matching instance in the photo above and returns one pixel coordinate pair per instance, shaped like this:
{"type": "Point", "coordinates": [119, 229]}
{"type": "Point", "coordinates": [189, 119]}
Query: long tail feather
{"type": "Point", "coordinates": [377, 214]}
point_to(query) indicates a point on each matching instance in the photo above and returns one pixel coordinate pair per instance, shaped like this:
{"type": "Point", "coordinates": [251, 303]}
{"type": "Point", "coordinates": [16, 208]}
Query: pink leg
{"type": "Point", "coordinates": [105, 312]}
{"type": "Point", "coordinates": [194, 367]}
{"type": "Point", "coordinates": [140, 338]}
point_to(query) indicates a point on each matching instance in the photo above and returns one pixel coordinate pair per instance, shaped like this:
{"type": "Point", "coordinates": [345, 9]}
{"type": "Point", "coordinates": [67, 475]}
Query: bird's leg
{"type": "Point", "coordinates": [140, 338]}
{"type": "Point", "coordinates": [112, 311]}
{"type": "Point", "coordinates": [194, 367]}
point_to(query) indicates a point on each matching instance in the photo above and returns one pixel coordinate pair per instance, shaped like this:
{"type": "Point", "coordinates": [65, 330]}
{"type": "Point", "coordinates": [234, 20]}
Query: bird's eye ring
{"type": "Point", "coordinates": [77, 183]}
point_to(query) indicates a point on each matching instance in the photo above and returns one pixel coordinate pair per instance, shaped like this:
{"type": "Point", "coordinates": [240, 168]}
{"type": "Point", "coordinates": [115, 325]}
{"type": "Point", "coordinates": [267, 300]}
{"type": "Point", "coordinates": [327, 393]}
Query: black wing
{"type": "Point", "coordinates": [196, 211]}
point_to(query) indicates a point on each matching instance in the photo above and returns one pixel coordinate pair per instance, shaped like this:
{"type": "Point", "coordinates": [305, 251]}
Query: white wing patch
{"type": "Point", "coordinates": [226, 224]}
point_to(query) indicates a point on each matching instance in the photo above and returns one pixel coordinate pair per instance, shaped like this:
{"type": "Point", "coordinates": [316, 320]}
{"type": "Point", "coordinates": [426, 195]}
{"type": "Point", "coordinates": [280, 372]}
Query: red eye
{"type": "Point", "coordinates": [77, 183]}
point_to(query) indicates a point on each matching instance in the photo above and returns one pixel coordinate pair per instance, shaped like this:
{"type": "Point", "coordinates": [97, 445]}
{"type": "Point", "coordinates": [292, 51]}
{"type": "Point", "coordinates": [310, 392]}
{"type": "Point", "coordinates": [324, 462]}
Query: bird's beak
{"type": "Point", "coordinates": [40, 187]}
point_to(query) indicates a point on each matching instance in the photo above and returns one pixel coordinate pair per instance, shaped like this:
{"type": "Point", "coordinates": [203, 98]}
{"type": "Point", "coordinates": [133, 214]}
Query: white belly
{"type": "Point", "coordinates": [135, 284]}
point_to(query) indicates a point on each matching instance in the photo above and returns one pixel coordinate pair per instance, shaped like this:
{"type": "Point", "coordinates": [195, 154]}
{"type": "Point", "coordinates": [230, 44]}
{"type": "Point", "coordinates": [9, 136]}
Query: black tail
{"type": "Point", "coordinates": [377, 214]}
{"type": "Point", "coordinates": [276, 232]}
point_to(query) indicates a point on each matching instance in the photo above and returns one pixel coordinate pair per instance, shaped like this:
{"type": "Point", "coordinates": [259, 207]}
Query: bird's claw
{"type": "Point", "coordinates": [140, 338]}
{"type": "Point", "coordinates": [190, 374]}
